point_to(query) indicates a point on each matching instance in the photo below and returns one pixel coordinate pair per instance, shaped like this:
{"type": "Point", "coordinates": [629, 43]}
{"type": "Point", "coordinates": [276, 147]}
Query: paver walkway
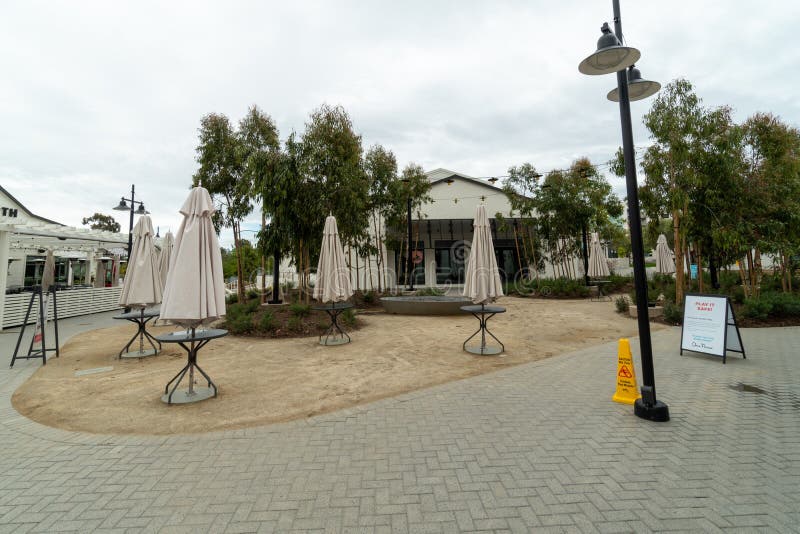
{"type": "Point", "coordinates": [539, 447]}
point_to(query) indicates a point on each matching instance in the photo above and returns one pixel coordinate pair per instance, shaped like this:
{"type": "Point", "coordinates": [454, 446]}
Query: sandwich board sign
{"type": "Point", "coordinates": [709, 326]}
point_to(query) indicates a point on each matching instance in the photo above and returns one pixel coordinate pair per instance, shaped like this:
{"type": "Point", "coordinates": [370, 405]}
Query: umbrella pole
{"type": "Point", "coordinates": [191, 366]}
{"type": "Point", "coordinates": [141, 334]}
{"type": "Point", "coordinates": [483, 327]}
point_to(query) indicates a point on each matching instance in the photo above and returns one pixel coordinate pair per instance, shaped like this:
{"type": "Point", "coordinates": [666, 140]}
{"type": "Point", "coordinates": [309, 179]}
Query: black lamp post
{"type": "Point", "coordinates": [409, 259]}
{"type": "Point", "coordinates": [123, 206]}
{"type": "Point", "coordinates": [612, 56]}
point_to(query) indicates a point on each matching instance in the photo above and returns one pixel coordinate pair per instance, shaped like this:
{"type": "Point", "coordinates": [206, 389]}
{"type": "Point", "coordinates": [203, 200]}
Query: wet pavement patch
{"type": "Point", "coordinates": [747, 388]}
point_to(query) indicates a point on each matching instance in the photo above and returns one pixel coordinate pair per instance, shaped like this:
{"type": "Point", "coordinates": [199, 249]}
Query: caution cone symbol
{"type": "Point", "coordinates": [627, 390]}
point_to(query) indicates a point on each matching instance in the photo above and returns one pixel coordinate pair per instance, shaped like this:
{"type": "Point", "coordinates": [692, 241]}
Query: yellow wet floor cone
{"type": "Point", "coordinates": [627, 390]}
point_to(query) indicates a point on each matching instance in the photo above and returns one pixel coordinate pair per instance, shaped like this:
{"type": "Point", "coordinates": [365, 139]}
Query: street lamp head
{"type": "Point", "coordinates": [610, 56]}
{"type": "Point", "coordinates": [638, 89]}
{"type": "Point", "coordinates": [493, 180]}
{"type": "Point", "coordinates": [449, 181]}
{"type": "Point", "coordinates": [122, 206]}
{"type": "Point", "coordinates": [141, 210]}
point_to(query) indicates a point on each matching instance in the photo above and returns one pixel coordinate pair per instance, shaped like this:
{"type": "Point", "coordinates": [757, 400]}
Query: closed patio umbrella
{"type": "Point", "coordinates": [100, 277]}
{"type": "Point", "coordinates": [482, 281]}
{"type": "Point", "coordinates": [598, 262]}
{"type": "Point", "coordinates": [194, 292]}
{"type": "Point", "coordinates": [333, 282]}
{"type": "Point", "coordinates": [333, 276]}
{"type": "Point", "coordinates": [142, 284]}
{"type": "Point", "coordinates": [163, 259]}
{"type": "Point", "coordinates": [49, 271]}
{"type": "Point", "coordinates": [665, 258]}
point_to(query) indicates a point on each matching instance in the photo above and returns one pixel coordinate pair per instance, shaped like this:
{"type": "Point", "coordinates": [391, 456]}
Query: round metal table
{"type": "Point", "coordinates": [192, 341]}
{"type": "Point", "coordinates": [141, 318]}
{"type": "Point", "coordinates": [334, 335]}
{"type": "Point", "coordinates": [483, 314]}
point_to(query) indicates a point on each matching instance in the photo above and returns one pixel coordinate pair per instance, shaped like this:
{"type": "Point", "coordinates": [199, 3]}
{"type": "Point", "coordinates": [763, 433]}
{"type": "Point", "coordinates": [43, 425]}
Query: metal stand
{"type": "Point", "coordinates": [191, 365]}
{"type": "Point", "coordinates": [41, 352]}
{"type": "Point", "coordinates": [483, 314]}
{"type": "Point", "coordinates": [334, 335]}
{"type": "Point", "coordinates": [141, 333]}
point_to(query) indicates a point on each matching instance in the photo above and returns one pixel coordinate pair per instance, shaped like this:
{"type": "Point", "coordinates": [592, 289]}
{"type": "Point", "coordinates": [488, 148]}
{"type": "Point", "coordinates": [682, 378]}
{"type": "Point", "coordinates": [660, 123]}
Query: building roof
{"type": "Point", "coordinates": [34, 231]}
{"type": "Point", "coordinates": [438, 175]}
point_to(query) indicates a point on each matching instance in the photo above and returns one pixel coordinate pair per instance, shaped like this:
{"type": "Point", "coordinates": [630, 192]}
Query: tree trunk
{"type": "Point", "coordinates": [679, 280]}
{"type": "Point", "coordinates": [263, 263]}
{"type": "Point", "coordinates": [757, 271]}
{"type": "Point", "coordinates": [379, 253]}
{"type": "Point", "coordinates": [699, 268]}
{"type": "Point", "coordinates": [744, 277]}
{"type": "Point", "coordinates": [239, 274]}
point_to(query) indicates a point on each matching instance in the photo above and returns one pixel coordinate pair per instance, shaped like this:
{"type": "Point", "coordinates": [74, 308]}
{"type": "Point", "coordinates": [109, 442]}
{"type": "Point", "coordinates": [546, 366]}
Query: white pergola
{"type": "Point", "coordinates": [22, 230]}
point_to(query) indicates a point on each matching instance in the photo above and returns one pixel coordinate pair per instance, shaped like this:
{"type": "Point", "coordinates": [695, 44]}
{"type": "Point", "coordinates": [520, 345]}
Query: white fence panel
{"type": "Point", "coordinates": [71, 303]}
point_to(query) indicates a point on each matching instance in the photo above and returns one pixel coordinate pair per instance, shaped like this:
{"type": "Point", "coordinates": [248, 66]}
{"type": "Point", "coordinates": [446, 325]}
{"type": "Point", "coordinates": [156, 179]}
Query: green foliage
{"type": "Point", "coordinates": [300, 310]}
{"type": "Point", "coordinates": [232, 299]}
{"type": "Point", "coordinates": [295, 324]}
{"type": "Point", "coordinates": [757, 308]}
{"type": "Point", "coordinates": [622, 304]}
{"type": "Point", "coordinates": [557, 209]}
{"type": "Point", "coordinates": [239, 319]}
{"type": "Point", "coordinates": [348, 318]}
{"type": "Point", "coordinates": [267, 322]}
{"type": "Point", "coordinates": [369, 297]}
{"type": "Point", "coordinates": [673, 313]}
{"type": "Point", "coordinates": [553, 287]}
{"type": "Point", "coordinates": [252, 294]}
{"type": "Point", "coordinates": [98, 221]}
{"type": "Point", "coordinates": [429, 292]}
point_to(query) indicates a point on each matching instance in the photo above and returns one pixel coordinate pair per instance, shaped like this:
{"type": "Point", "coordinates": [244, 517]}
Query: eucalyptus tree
{"type": "Point", "coordinates": [332, 161]}
{"type": "Point", "coordinates": [260, 155]}
{"type": "Point", "coordinates": [99, 221]}
{"type": "Point", "coordinates": [772, 188]}
{"type": "Point", "coordinates": [221, 171]}
{"type": "Point", "coordinates": [412, 185]}
{"type": "Point", "coordinates": [572, 201]}
{"type": "Point", "coordinates": [673, 122]}
{"type": "Point", "coordinates": [522, 188]}
{"type": "Point", "coordinates": [380, 167]}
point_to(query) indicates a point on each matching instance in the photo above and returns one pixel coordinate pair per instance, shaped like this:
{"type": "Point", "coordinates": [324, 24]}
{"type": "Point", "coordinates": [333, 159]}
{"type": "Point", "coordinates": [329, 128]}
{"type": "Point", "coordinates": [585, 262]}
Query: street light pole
{"type": "Point", "coordinates": [585, 255]}
{"type": "Point", "coordinates": [410, 261]}
{"type": "Point", "coordinates": [130, 226]}
{"type": "Point", "coordinates": [613, 56]}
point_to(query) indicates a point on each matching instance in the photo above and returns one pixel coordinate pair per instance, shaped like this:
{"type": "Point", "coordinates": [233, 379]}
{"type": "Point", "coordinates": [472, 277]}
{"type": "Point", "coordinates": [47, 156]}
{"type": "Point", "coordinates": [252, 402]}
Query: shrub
{"type": "Point", "coordinates": [252, 294]}
{"type": "Point", "coordinates": [369, 297]}
{"type": "Point", "coordinates": [348, 318]}
{"type": "Point", "coordinates": [252, 305]}
{"type": "Point", "coordinates": [267, 322]}
{"type": "Point", "coordinates": [429, 292]}
{"type": "Point", "coordinates": [673, 313]}
{"type": "Point", "coordinates": [294, 324]}
{"type": "Point", "coordinates": [756, 308]}
{"type": "Point", "coordinates": [783, 304]}
{"type": "Point", "coordinates": [300, 310]}
{"type": "Point", "coordinates": [233, 298]}
{"type": "Point", "coordinates": [239, 324]}
{"type": "Point", "coordinates": [622, 304]}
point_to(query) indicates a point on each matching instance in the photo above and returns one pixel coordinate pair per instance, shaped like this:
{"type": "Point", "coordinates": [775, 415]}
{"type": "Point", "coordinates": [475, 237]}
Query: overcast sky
{"type": "Point", "coordinates": [96, 96]}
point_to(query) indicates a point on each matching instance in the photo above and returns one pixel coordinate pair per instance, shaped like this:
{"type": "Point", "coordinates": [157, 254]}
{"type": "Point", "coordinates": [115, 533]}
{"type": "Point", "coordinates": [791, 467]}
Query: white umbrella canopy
{"type": "Point", "coordinates": [333, 276]}
{"type": "Point", "coordinates": [100, 277]}
{"type": "Point", "coordinates": [598, 262]}
{"type": "Point", "coordinates": [48, 271]}
{"type": "Point", "coordinates": [665, 259]}
{"type": "Point", "coordinates": [482, 281]}
{"type": "Point", "coordinates": [142, 285]}
{"type": "Point", "coordinates": [164, 257]}
{"type": "Point", "coordinates": [194, 293]}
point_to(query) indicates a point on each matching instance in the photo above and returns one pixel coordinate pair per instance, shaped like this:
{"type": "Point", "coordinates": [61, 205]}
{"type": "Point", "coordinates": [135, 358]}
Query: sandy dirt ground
{"type": "Point", "coordinates": [264, 381]}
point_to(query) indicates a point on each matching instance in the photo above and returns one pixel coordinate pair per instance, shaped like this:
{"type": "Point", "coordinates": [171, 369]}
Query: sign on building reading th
{"type": "Point", "coordinates": [9, 212]}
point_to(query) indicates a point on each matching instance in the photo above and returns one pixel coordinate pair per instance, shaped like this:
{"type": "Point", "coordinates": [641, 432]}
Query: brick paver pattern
{"type": "Point", "coordinates": [540, 447]}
